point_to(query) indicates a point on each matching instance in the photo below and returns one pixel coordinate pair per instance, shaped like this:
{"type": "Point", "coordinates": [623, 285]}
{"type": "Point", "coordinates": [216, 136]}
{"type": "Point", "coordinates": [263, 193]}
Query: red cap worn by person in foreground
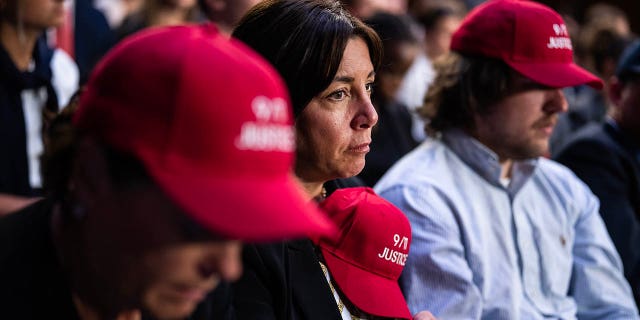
{"type": "Point", "coordinates": [212, 124]}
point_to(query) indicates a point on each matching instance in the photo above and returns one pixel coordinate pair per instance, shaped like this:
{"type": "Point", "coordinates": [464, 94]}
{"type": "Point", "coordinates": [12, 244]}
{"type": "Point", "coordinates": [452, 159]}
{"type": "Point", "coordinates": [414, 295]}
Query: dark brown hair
{"type": "Point", "coordinates": [61, 139]}
{"type": "Point", "coordinates": [304, 40]}
{"type": "Point", "coordinates": [464, 86]}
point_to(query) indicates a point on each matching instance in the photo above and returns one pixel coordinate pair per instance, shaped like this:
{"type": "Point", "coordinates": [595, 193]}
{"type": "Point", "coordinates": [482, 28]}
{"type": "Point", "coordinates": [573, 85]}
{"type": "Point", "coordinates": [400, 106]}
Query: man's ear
{"type": "Point", "coordinates": [615, 90]}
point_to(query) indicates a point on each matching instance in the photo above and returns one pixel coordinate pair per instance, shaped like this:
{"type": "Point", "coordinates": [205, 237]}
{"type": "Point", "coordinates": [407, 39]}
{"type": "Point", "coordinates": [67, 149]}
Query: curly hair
{"type": "Point", "coordinates": [464, 86]}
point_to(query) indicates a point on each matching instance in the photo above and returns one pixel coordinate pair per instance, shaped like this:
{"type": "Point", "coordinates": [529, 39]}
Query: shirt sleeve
{"type": "Point", "coordinates": [436, 276]}
{"type": "Point", "coordinates": [597, 283]}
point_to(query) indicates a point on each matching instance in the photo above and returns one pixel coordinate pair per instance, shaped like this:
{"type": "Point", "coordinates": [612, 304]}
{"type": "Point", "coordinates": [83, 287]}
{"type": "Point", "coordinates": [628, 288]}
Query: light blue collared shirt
{"type": "Point", "coordinates": [536, 249]}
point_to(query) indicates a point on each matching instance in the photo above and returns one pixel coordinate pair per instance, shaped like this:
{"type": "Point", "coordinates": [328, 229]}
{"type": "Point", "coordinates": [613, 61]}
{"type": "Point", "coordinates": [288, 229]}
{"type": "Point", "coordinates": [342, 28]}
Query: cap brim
{"type": "Point", "coordinates": [371, 293]}
{"type": "Point", "coordinates": [557, 75]}
{"type": "Point", "coordinates": [246, 208]}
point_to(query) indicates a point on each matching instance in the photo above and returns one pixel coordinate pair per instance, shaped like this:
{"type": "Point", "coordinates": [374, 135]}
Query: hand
{"type": "Point", "coordinates": [424, 315]}
{"type": "Point", "coordinates": [10, 203]}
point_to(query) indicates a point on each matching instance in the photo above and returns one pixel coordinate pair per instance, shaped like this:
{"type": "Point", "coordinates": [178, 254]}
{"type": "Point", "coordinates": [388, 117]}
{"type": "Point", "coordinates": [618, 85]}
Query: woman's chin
{"type": "Point", "coordinates": [351, 171]}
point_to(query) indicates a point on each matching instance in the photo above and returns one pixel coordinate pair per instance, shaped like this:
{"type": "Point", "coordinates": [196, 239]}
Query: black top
{"type": "Point", "coordinates": [33, 284]}
{"type": "Point", "coordinates": [609, 163]}
{"type": "Point", "coordinates": [283, 281]}
{"type": "Point", "coordinates": [14, 170]}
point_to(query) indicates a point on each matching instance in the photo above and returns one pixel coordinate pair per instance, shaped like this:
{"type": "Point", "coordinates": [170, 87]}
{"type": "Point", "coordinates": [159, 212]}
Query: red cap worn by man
{"type": "Point", "coordinates": [528, 36]}
{"type": "Point", "coordinates": [181, 145]}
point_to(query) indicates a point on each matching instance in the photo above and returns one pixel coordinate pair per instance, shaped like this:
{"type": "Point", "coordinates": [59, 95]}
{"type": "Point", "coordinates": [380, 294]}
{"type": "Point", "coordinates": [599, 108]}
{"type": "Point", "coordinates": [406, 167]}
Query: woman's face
{"type": "Point", "coordinates": [181, 4]}
{"type": "Point", "coordinates": [41, 14]}
{"type": "Point", "coordinates": [333, 132]}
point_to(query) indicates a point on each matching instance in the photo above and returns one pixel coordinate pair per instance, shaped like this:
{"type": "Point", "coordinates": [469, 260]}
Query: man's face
{"type": "Point", "coordinates": [519, 126]}
{"type": "Point", "coordinates": [626, 97]}
{"type": "Point", "coordinates": [142, 252]}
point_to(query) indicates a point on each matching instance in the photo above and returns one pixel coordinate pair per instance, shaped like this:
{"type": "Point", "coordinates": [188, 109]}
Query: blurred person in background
{"type": "Point", "coordinates": [437, 20]}
{"type": "Point", "coordinates": [391, 137]}
{"type": "Point", "coordinates": [365, 9]}
{"type": "Point", "coordinates": [93, 36]}
{"type": "Point", "coordinates": [155, 13]}
{"type": "Point", "coordinates": [601, 13]}
{"type": "Point", "coordinates": [607, 158]}
{"type": "Point", "coordinates": [117, 10]}
{"type": "Point", "coordinates": [598, 46]}
{"type": "Point", "coordinates": [440, 19]}
{"type": "Point", "coordinates": [226, 13]}
{"type": "Point", "coordinates": [143, 217]}
{"type": "Point", "coordinates": [35, 81]}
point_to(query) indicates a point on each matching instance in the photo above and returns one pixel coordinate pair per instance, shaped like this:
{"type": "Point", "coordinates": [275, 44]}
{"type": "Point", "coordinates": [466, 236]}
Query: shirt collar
{"type": "Point", "coordinates": [484, 161]}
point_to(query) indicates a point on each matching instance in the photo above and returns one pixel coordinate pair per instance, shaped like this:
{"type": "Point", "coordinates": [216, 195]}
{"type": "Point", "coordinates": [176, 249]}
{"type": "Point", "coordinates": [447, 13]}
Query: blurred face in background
{"type": "Point", "coordinates": [401, 57]}
{"type": "Point", "coordinates": [227, 13]}
{"type": "Point", "coordinates": [182, 4]}
{"type": "Point", "coordinates": [438, 40]}
{"type": "Point", "coordinates": [626, 110]}
{"type": "Point", "coordinates": [34, 15]}
{"type": "Point", "coordinates": [364, 9]}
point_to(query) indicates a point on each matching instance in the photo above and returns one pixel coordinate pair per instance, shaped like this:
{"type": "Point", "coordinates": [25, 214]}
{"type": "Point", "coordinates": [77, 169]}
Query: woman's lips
{"type": "Point", "coordinates": [195, 294]}
{"type": "Point", "coordinates": [360, 148]}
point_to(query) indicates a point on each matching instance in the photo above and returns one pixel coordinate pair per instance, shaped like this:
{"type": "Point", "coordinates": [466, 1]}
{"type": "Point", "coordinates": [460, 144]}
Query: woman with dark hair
{"type": "Point", "coordinates": [34, 79]}
{"type": "Point", "coordinates": [328, 60]}
{"type": "Point", "coordinates": [156, 13]}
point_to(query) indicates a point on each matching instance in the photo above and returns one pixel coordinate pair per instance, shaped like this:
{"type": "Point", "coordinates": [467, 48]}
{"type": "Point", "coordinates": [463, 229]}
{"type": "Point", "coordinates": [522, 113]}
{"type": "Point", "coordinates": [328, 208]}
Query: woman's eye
{"type": "Point", "coordinates": [369, 87]}
{"type": "Point", "coordinates": [338, 95]}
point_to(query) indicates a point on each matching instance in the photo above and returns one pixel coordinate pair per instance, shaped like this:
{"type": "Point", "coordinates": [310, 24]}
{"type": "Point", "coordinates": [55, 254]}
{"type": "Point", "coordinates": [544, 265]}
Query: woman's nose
{"type": "Point", "coordinates": [366, 116]}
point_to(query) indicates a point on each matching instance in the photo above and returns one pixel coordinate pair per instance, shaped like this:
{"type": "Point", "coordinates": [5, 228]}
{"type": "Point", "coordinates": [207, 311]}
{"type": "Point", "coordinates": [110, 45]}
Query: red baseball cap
{"type": "Point", "coordinates": [211, 122]}
{"type": "Point", "coordinates": [528, 36]}
{"type": "Point", "coordinates": [367, 256]}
